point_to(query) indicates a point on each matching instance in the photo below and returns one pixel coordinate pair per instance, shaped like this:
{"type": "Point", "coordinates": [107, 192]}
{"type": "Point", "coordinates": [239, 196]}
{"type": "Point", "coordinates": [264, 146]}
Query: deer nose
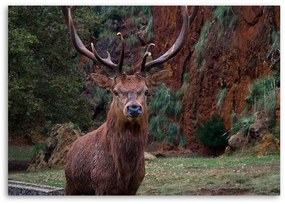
{"type": "Point", "coordinates": [134, 111]}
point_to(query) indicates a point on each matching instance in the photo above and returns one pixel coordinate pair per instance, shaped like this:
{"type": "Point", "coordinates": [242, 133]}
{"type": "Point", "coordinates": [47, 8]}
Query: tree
{"type": "Point", "coordinates": [45, 82]}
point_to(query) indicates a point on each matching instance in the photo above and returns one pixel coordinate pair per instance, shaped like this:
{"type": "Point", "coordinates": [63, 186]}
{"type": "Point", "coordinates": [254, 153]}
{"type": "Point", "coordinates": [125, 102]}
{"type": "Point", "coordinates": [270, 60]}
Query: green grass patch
{"type": "Point", "coordinates": [54, 177]}
{"type": "Point", "coordinates": [193, 176]}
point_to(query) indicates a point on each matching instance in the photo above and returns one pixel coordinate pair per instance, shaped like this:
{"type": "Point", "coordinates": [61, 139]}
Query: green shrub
{"type": "Point", "coordinates": [213, 133]}
{"type": "Point", "coordinates": [132, 40]}
{"type": "Point", "coordinates": [243, 123]}
{"type": "Point", "coordinates": [114, 12]}
{"type": "Point", "coordinates": [275, 47]}
{"type": "Point", "coordinates": [37, 148]}
{"type": "Point", "coordinates": [203, 40]}
{"type": "Point", "coordinates": [166, 110]}
{"type": "Point", "coordinates": [224, 16]}
{"type": "Point", "coordinates": [263, 96]}
{"type": "Point", "coordinates": [137, 21]}
{"type": "Point", "coordinates": [180, 93]}
{"type": "Point", "coordinates": [145, 10]}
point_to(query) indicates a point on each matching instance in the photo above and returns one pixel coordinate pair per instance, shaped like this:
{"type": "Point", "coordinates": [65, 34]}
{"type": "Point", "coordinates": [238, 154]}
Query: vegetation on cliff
{"type": "Point", "coordinates": [232, 55]}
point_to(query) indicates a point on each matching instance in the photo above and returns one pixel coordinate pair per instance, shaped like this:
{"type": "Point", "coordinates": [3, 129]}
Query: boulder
{"type": "Point", "coordinates": [57, 145]}
{"type": "Point", "coordinates": [65, 135]}
{"type": "Point", "coordinates": [38, 162]}
{"type": "Point", "coordinates": [260, 127]}
{"type": "Point", "coordinates": [148, 156]}
{"type": "Point", "coordinates": [238, 141]}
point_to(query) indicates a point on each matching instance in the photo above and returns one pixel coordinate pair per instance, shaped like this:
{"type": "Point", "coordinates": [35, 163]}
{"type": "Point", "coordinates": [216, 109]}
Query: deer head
{"type": "Point", "coordinates": [130, 90]}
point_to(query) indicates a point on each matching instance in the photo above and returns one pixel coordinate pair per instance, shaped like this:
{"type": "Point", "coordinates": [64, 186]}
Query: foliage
{"type": "Point", "coordinates": [150, 30]}
{"type": "Point", "coordinates": [213, 132]}
{"type": "Point", "coordinates": [44, 82]}
{"type": "Point", "coordinates": [221, 98]}
{"type": "Point", "coordinates": [263, 96]}
{"type": "Point", "coordinates": [184, 87]}
{"type": "Point", "coordinates": [132, 40]}
{"type": "Point", "coordinates": [38, 147]}
{"type": "Point", "coordinates": [243, 123]}
{"type": "Point", "coordinates": [102, 100]}
{"type": "Point", "coordinates": [274, 52]}
{"type": "Point", "coordinates": [20, 153]}
{"type": "Point", "coordinates": [114, 12]}
{"type": "Point", "coordinates": [166, 109]}
{"type": "Point", "coordinates": [203, 40]}
{"type": "Point", "coordinates": [224, 16]}
{"type": "Point", "coordinates": [145, 10]}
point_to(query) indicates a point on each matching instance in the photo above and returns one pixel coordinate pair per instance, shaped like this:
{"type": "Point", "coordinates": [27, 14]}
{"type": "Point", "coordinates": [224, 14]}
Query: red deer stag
{"type": "Point", "coordinates": [110, 160]}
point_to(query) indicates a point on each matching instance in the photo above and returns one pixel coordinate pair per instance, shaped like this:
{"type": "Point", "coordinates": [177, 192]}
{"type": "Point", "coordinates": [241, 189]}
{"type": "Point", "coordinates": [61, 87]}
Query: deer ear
{"type": "Point", "coordinates": [103, 81]}
{"type": "Point", "coordinates": [157, 78]}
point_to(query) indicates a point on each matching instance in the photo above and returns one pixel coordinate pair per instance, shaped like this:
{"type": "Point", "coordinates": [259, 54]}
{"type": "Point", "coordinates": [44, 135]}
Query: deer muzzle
{"type": "Point", "coordinates": [134, 110]}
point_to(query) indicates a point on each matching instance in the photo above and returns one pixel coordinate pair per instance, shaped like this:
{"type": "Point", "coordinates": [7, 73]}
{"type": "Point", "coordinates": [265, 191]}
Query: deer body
{"type": "Point", "coordinates": [95, 167]}
{"type": "Point", "coordinates": [110, 160]}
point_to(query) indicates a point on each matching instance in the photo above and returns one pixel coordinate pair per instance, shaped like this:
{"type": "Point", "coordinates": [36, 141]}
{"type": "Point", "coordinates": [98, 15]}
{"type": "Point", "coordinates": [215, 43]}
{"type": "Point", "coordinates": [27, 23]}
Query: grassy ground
{"type": "Point", "coordinates": [246, 175]}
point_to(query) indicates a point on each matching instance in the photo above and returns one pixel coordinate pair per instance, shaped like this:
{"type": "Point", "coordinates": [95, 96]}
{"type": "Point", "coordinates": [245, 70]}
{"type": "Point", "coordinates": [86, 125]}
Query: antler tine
{"type": "Point", "coordinates": [105, 61]}
{"type": "Point", "coordinates": [79, 46]}
{"type": "Point", "coordinates": [120, 65]}
{"type": "Point", "coordinates": [177, 46]}
{"type": "Point", "coordinates": [146, 54]}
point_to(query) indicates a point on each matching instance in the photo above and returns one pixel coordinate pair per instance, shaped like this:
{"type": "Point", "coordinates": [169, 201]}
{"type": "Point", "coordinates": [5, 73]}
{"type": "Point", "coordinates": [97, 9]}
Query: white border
{"type": "Point", "coordinates": [181, 199]}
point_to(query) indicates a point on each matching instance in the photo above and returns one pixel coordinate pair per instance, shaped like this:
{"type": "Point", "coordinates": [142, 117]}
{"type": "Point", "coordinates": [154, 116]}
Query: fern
{"type": "Point", "coordinates": [263, 96]}
{"type": "Point", "coordinates": [166, 110]}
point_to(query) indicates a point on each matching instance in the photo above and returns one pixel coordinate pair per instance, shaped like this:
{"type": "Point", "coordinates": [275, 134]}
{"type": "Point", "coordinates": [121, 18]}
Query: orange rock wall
{"type": "Point", "coordinates": [232, 60]}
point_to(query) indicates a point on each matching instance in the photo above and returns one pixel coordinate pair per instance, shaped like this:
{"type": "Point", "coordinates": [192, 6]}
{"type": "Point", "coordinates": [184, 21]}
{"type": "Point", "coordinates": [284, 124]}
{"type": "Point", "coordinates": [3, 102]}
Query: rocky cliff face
{"type": "Point", "coordinates": [236, 50]}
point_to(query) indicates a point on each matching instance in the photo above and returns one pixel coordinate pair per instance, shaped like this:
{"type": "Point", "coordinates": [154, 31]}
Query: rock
{"type": "Point", "coordinates": [58, 144]}
{"type": "Point", "coordinates": [38, 162]}
{"type": "Point", "coordinates": [228, 151]}
{"type": "Point", "coordinates": [252, 14]}
{"type": "Point", "coordinates": [238, 141]}
{"type": "Point", "coordinates": [51, 143]}
{"type": "Point", "coordinates": [148, 156]}
{"type": "Point", "coordinates": [269, 144]}
{"type": "Point", "coordinates": [259, 128]}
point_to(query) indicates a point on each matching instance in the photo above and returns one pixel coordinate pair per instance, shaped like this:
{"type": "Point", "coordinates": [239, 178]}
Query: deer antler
{"type": "Point", "coordinates": [80, 47]}
{"type": "Point", "coordinates": [176, 47]}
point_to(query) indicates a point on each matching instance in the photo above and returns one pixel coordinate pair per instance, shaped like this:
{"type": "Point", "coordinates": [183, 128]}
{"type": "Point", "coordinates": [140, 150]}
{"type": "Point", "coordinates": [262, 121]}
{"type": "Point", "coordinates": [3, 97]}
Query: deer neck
{"type": "Point", "coordinates": [127, 140]}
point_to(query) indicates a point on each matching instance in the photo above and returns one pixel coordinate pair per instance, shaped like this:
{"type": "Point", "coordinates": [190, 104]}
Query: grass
{"type": "Point", "coordinates": [193, 176]}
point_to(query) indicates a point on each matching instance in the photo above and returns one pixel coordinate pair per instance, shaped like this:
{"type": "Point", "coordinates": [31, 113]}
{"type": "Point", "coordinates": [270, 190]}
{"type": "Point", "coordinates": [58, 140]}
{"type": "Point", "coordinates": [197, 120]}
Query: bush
{"type": "Point", "coordinates": [213, 133]}
{"type": "Point", "coordinates": [203, 40]}
{"type": "Point", "coordinates": [166, 111]}
{"type": "Point", "coordinates": [243, 123]}
{"type": "Point", "coordinates": [224, 16]}
{"type": "Point", "coordinates": [263, 96]}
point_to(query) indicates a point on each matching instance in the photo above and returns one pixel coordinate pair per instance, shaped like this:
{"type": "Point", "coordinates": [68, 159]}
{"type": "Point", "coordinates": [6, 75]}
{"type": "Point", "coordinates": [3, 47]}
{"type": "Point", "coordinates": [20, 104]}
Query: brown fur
{"type": "Point", "coordinates": [110, 160]}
